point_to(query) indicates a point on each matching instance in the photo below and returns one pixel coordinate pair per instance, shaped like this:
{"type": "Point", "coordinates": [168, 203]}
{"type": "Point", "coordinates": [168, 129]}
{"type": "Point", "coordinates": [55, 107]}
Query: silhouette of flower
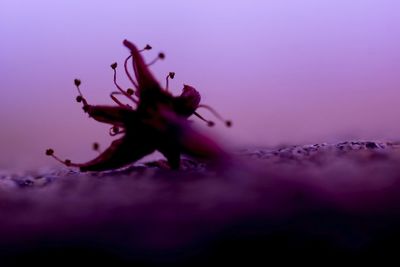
{"type": "Point", "coordinates": [157, 123]}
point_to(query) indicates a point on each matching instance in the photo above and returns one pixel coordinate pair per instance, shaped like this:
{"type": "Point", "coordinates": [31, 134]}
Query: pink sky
{"type": "Point", "coordinates": [285, 71]}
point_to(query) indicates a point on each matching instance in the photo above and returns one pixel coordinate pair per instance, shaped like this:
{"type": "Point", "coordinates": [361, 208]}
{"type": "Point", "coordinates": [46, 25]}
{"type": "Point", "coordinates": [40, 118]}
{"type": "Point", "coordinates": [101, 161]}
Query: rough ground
{"type": "Point", "coordinates": [332, 200]}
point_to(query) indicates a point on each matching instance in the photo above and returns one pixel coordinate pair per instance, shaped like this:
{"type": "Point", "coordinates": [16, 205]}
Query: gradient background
{"type": "Point", "coordinates": [285, 71]}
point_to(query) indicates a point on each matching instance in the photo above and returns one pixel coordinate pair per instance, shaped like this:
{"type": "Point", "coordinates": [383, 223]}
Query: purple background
{"type": "Point", "coordinates": [285, 71]}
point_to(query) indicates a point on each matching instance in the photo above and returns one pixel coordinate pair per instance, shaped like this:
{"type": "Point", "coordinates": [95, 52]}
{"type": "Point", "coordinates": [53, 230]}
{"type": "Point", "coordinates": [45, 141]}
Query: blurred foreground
{"type": "Point", "coordinates": [295, 203]}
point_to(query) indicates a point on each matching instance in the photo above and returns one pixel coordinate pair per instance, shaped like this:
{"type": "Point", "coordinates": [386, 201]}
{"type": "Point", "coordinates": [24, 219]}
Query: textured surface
{"type": "Point", "coordinates": [325, 199]}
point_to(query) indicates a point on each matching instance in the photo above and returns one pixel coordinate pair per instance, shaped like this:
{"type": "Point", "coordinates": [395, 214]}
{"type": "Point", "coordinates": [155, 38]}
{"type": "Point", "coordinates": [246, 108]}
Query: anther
{"type": "Point", "coordinates": [130, 91]}
{"type": "Point", "coordinates": [171, 75]}
{"type": "Point", "coordinates": [77, 82]}
{"type": "Point", "coordinates": [147, 47]}
{"type": "Point", "coordinates": [79, 99]}
{"type": "Point", "coordinates": [49, 152]}
{"type": "Point", "coordinates": [67, 162]}
{"type": "Point", "coordinates": [114, 65]}
{"type": "Point", "coordinates": [114, 131]}
{"type": "Point", "coordinates": [228, 123]}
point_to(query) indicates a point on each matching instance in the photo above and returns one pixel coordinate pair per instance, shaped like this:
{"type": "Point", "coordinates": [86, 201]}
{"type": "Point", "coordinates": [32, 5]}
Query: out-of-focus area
{"type": "Point", "coordinates": [284, 71]}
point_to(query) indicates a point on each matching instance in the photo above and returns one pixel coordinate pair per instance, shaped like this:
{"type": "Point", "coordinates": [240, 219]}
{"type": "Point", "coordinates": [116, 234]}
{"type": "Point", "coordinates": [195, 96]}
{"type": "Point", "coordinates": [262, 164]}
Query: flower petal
{"type": "Point", "coordinates": [145, 78]}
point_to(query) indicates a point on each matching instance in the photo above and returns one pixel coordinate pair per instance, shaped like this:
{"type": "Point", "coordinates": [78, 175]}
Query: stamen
{"type": "Point", "coordinates": [67, 162]}
{"type": "Point", "coordinates": [114, 66]}
{"type": "Point", "coordinates": [115, 99]}
{"type": "Point", "coordinates": [115, 130]}
{"type": "Point", "coordinates": [209, 123]}
{"type": "Point", "coordinates": [77, 83]}
{"type": "Point", "coordinates": [228, 123]}
{"type": "Point", "coordinates": [80, 97]}
{"type": "Point", "coordinates": [119, 102]}
{"type": "Point", "coordinates": [160, 56]}
{"type": "Point", "coordinates": [128, 74]}
{"type": "Point", "coordinates": [170, 75]}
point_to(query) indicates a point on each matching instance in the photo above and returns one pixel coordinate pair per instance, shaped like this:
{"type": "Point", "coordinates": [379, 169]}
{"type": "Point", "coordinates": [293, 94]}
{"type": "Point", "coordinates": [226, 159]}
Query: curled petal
{"type": "Point", "coordinates": [187, 103]}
